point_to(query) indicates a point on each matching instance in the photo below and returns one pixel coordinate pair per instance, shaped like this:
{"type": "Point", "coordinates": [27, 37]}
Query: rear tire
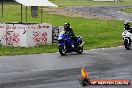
{"type": "Point", "coordinates": [127, 43]}
{"type": "Point", "coordinates": [62, 50]}
{"type": "Point", "coordinates": [79, 50]}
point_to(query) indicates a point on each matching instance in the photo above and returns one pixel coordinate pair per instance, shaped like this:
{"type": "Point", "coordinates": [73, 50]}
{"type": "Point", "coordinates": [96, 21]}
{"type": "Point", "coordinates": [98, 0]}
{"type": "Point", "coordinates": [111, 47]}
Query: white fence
{"type": "Point", "coordinates": [25, 35]}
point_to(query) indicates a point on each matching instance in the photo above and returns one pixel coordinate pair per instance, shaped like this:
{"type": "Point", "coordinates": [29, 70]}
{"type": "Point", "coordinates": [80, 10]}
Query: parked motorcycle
{"type": "Point", "coordinates": [127, 37]}
{"type": "Point", "coordinates": [67, 45]}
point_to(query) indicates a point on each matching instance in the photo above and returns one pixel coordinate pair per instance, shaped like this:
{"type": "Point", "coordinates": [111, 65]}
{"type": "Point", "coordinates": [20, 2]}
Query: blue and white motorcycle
{"type": "Point", "coordinates": [67, 45]}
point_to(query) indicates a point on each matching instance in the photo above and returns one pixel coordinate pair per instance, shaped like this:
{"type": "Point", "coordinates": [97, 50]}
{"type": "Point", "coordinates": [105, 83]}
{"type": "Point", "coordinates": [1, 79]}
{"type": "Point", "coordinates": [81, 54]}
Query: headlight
{"type": "Point", "coordinates": [59, 38]}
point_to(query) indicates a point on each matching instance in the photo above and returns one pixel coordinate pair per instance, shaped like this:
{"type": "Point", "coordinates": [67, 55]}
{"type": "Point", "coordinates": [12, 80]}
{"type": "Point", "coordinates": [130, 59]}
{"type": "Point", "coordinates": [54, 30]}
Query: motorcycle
{"type": "Point", "coordinates": [127, 37]}
{"type": "Point", "coordinates": [67, 45]}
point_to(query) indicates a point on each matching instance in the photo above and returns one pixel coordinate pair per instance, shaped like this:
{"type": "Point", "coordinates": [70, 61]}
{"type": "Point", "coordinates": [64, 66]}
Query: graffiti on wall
{"type": "Point", "coordinates": [11, 38]}
{"type": "Point", "coordinates": [39, 38]}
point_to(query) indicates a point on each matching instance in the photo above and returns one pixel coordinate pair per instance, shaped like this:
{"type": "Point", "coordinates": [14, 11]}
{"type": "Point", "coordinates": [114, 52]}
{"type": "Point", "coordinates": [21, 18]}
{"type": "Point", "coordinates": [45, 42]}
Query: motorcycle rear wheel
{"type": "Point", "coordinates": [79, 50]}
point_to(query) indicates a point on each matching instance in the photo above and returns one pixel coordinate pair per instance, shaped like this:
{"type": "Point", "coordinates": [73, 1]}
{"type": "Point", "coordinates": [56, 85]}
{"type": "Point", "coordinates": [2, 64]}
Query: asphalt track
{"type": "Point", "coordinates": [105, 11]}
{"type": "Point", "coordinates": [54, 71]}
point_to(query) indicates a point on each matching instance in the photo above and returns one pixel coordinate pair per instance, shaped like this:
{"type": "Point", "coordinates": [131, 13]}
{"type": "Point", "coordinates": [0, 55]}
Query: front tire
{"type": "Point", "coordinates": [127, 43]}
{"type": "Point", "coordinates": [62, 50]}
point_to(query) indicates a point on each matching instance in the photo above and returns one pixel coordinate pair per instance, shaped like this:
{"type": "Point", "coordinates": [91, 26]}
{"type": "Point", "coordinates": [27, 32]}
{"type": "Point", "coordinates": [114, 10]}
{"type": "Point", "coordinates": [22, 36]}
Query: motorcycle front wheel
{"type": "Point", "coordinates": [127, 44]}
{"type": "Point", "coordinates": [62, 50]}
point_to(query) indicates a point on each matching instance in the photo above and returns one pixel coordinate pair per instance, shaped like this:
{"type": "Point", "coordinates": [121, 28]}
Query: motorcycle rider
{"type": "Point", "coordinates": [69, 31]}
{"type": "Point", "coordinates": [128, 27]}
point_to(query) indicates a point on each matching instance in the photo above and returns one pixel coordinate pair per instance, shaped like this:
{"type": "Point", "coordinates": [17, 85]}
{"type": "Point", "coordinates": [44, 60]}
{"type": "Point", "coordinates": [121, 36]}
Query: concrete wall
{"type": "Point", "coordinates": [25, 35]}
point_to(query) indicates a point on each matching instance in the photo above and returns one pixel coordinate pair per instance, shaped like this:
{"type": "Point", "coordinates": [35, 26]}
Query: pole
{"type": "Point", "coordinates": [2, 13]}
{"type": "Point", "coordinates": [26, 14]}
{"type": "Point", "coordinates": [21, 14]}
{"type": "Point", "coordinates": [41, 14]}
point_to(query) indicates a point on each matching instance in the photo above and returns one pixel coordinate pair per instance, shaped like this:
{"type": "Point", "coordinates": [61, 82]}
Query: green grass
{"type": "Point", "coordinates": [127, 10]}
{"type": "Point", "coordinates": [32, 50]}
{"type": "Point", "coordinates": [95, 32]}
{"type": "Point", "coordinates": [88, 2]}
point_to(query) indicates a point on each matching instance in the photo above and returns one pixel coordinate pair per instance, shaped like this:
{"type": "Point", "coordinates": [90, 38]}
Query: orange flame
{"type": "Point", "coordinates": [84, 73]}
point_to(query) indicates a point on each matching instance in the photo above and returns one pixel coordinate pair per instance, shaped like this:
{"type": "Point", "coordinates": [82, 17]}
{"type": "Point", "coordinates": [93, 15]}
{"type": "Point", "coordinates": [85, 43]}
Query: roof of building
{"type": "Point", "coordinates": [36, 3]}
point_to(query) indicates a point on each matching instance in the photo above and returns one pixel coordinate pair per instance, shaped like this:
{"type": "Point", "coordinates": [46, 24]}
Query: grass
{"type": "Point", "coordinates": [95, 32]}
{"type": "Point", "coordinates": [127, 10]}
{"type": "Point", "coordinates": [89, 2]}
{"type": "Point", "coordinates": [4, 50]}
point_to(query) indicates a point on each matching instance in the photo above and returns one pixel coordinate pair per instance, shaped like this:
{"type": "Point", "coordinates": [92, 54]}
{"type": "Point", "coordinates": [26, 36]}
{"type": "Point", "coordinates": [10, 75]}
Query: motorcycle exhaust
{"type": "Point", "coordinates": [82, 44]}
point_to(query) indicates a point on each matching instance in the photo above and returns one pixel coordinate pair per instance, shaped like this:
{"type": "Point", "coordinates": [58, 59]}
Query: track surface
{"type": "Point", "coordinates": [55, 71]}
{"type": "Point", "coordinates": [106, 11]}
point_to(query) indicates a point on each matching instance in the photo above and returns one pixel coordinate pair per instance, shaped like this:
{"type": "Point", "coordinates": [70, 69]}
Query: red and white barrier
{"type": "Point", "coordinates": [25, 35]}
